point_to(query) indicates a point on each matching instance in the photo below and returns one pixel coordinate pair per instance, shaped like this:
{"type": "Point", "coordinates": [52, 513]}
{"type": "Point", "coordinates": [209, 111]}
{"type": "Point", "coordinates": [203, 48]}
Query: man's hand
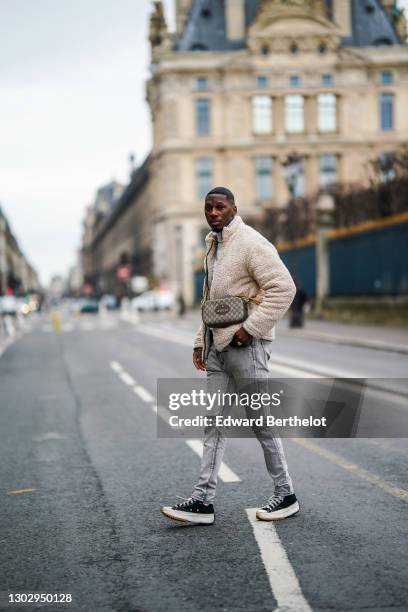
{"type": "Point", "coordinates": [198, 358]}
{"type": "Point", "coordinates": [241, 338]}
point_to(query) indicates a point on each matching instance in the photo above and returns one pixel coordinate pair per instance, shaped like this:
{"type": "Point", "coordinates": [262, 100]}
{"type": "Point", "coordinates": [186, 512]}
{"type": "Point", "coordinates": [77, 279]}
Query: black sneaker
{"type": "Point", "coordinates": [190, 511]}
{"type": "Point", "coordinates": [278, 507]}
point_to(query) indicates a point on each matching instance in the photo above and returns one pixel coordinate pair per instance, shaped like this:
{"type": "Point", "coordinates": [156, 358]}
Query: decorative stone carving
{"type": "Point", "coordinates": [267, 30]}
{"type": "Point", "coordinates": [158, 26]}
{"type": "Point", "coordinates": [271, 8]}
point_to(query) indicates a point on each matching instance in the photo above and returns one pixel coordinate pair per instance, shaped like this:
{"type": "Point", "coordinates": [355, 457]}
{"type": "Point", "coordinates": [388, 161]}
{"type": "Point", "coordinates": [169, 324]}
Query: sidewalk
{"type": "Point", "coordinates": [379, 337]}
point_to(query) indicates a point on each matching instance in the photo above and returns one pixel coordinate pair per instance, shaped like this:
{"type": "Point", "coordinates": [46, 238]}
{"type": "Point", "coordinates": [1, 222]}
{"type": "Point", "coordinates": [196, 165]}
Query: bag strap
{"type": "Point", "coordinates": [257, 299]}
{"type": "Point", "coordinates": [206, 288]}
{"type": "Point", "coordinates": [206, 291]}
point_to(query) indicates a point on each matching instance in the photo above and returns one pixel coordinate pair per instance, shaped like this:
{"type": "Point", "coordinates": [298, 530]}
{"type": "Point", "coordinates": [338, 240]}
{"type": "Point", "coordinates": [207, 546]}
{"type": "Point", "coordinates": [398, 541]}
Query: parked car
{"type": "Point", "coordinates": [144, 302]}
{"type": "Point", "coordinates": [153, 300]}
{"type": "Point", "coordinates": [88, 306]}
{"type": "Point", "coordinates": [109, 302]}
{"type": "Point", "coordinates": [9, 305]}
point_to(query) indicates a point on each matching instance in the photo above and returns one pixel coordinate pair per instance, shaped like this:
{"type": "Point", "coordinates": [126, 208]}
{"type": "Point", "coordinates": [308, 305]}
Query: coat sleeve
{"type": "Point", "coordinates": [199, 339]}
{"type": "Point", "coordinates": [272, 276]}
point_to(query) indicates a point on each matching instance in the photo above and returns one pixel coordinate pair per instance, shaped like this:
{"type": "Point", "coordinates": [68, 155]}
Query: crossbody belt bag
{"type": "Point", "coordinates": [226, 311]}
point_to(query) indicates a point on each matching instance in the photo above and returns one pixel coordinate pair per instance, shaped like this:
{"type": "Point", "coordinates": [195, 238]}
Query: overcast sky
{"type": "Point", "coordinates": [72, 107]}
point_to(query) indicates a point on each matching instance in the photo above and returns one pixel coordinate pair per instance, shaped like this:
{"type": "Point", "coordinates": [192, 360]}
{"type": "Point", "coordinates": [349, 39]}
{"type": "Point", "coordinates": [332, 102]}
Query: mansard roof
{"type": "Point", "coordinates": [205, 29]}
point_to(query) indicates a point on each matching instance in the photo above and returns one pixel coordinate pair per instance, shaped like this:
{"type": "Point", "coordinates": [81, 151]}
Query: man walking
{"type": "Point", "coordinates": [240, 261]}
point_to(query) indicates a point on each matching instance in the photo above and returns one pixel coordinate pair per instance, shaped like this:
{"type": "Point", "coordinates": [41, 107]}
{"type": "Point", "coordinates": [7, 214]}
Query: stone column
{"type": "Point", "coordinates": [325, 207]}
{"type": "Point", "coordinates": [278, 119]}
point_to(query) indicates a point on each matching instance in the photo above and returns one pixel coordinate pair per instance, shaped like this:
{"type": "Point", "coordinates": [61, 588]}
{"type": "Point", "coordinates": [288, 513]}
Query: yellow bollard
{"type": "Point", "coordinates": [56, 321]}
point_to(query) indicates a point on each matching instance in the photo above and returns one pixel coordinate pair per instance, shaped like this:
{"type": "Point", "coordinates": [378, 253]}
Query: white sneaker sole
{"type": "Point", "coordinates": [279, 515]}
{"type": "Point", "coordinates": [187, 517]}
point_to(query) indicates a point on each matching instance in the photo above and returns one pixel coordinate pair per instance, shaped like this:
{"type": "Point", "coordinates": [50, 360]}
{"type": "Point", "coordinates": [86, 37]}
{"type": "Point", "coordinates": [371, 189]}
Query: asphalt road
{"type": "Point", "coordinates": [83, 473]}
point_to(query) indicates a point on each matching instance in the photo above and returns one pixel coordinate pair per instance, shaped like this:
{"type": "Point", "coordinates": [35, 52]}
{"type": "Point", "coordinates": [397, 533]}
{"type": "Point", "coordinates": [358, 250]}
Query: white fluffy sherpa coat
{"type": "Point", "coordinates": [248, 264]}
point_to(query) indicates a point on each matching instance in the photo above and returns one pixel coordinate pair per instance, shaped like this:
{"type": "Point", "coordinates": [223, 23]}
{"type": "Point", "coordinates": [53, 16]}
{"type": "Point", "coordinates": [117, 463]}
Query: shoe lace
{"type": "Point", "coordinates": [274, 501]}
{"type": "Point", "coordinates": [185, 503]}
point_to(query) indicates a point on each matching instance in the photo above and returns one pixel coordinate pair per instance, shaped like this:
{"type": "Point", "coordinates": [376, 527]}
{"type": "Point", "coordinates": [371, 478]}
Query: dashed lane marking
{"type": "Point", "coordinates": [282, 578]}
{"type": "Point", "coordinates": [225, 473]}
{"type": "Point", "coordinates": [354, 468]}
{"type": "Point", "coordinates": [127, 379]}
{"type": "Point", "coordinates": [21, 491]}
{"type": "Point", "coordinates": [116, 367]}
{"type": "Point", "coordinates": [143, 393]}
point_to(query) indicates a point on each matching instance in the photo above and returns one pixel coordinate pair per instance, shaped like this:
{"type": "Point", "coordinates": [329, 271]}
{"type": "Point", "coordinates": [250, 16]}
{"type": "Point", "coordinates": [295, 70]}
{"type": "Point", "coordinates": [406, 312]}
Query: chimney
{"type": "Point", "coordinates": [342, 16]}
{"type": "Point", "coordinates": [235, 19]}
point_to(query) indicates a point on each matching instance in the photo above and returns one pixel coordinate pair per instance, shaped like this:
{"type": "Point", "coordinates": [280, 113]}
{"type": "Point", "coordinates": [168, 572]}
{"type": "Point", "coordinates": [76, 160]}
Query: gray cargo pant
{"type": "Point", "coordinates": [225, 371]}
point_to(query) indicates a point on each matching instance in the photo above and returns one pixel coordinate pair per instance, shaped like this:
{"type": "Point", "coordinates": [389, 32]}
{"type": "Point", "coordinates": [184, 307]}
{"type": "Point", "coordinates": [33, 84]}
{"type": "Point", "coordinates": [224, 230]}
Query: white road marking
{"type": "Point", "coordinates": [67, 327]}
{"type": "Point", "coordinates": [116, 367]}
{"type": "Point", "coordinates": [282, 578]}
{"type": "Point", "coordinates": [291, 372]}
{"type": "Point", "coordinates": [143, 393]}
{"type": "Point", "coordinates": [292, 366]}
{"type": "Point", "coordinates": [127, 378]}
{"type": "Point", "coordinates": [319, 370]}
{"type": "Point", "coordinates": [353, 467]}
{"type": "Point", "coordinates": [165, 334]}
{"type": "Point", "coordinates": [225, 473]}
{"type": "Point", "coordinates": [87, 326]}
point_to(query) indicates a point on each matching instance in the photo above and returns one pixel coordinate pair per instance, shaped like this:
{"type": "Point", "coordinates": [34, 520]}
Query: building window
{"type": "Point", "coordinates": [294, 81]}
{"type": "Point", "coordinates": [328, 170]}
{"type": "Point", "coordinates": [322, 48]}
{"type": "Point", "coordinates": [387, 111]}
{"type": "Point", "coordinates": [294, 113]}
{"type": "Point", "coordinates": [294, 49]}
{"type": "Point", "coordinates": [203, 116]}
{"type": "Point", "coordinates": [263, 165]}
{"type": "Point", "coordinates": [386, 78]}
{"type": "Point", "coordinates": [204, 174]}
{"type": "Point", "coordinates": [202, 84]}
{"type": "Point", "coordinates": [326, 80]}
{"type": "Point", "coordinates": [327, 112]}
{"type": "Point", "coordinates": [262, 114]}
{"type": "Point", "coordinates": [261, 82]}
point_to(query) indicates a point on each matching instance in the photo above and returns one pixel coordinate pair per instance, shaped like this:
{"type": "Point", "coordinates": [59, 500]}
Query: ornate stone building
{"type": "Point", "coordinates": [117, 233]}
{"type": "Point", "coordinates": [16, 273]}
{"type": "Point", "coordinates": [244, 84]}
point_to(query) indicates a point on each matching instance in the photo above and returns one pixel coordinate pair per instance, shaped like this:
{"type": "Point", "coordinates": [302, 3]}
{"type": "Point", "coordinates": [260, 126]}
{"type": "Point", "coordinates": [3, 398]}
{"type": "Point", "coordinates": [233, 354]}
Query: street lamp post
{"type": "Point", "coordinates": [292, 169]}
{"type": "Point", "coordinates": [325, 208]}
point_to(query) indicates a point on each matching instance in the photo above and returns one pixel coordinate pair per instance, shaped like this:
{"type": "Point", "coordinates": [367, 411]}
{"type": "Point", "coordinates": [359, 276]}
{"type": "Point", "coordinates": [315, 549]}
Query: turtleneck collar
{"type": "Point", "coordinates": [226, 232]}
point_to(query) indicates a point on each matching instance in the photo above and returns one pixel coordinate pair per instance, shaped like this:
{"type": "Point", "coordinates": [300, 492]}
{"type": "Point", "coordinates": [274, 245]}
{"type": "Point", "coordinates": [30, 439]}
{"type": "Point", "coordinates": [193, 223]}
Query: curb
{"type": "Point", "coordinates": [347, 340]}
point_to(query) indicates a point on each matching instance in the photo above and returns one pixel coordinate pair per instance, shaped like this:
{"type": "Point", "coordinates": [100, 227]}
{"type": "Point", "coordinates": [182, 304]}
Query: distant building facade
{"type": "Point", "coordinates": [243, 85]}
{"type": "Point", "coordinates": [116, 243]}
{"type": "Point", "coordinates": [16, 273]}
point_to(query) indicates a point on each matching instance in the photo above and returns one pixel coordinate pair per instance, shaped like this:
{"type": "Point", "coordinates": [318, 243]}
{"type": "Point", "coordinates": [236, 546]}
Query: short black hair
{"type": "Point", "coordinates": [223, 191]}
